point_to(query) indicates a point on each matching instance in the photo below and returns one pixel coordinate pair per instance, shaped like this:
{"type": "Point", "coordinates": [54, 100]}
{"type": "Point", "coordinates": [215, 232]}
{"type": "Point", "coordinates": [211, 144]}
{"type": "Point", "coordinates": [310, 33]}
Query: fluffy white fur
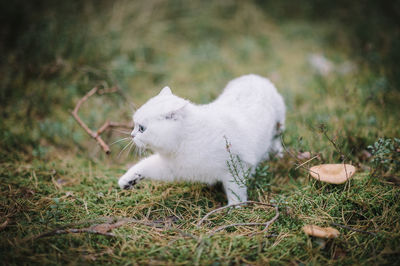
{"type": "Point", "coordinates": [189, 141]}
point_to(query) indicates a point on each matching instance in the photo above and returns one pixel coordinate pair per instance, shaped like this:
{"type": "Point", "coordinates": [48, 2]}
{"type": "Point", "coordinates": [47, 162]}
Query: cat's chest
{"type": "Point", "coordinates": [197, 165]}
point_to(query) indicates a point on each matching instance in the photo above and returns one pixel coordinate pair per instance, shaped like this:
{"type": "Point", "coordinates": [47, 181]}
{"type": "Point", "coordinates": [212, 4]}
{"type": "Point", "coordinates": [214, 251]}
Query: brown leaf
{"type": "Point", "coordinates": [91, 257]}
{"type": "Point", "coordinates": [61, 181]}
{"type": "Point", "coordinates": [104, 228]}
{"type": "Point", "coordinates": [304, 155]}
{"type": "Point", "coordinates": [4, 224]}
{"type": "Point", "coordinates": [364, 155]}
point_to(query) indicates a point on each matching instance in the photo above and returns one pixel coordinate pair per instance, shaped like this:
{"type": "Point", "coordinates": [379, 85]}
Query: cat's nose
{"type": "Point", "coordinates": [133, 135]}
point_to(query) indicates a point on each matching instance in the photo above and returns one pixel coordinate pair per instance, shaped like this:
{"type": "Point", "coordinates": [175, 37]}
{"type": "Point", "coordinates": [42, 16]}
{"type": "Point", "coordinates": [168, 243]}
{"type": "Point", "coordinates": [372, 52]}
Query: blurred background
{"type": "Point", "coordinates": [335, 62]}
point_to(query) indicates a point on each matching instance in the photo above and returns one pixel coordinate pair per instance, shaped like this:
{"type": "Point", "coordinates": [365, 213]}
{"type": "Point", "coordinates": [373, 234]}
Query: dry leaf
{"type": "Point", "coordinates": [4, 224]}
{"type": "Point", "coordinates": [365, 155]}
{"type": "Point", "coordinates": [332, 173]}
{"type": "Point", "coordinates": [61, 181]}
{"type": "Point", "coordinates": [324, 232]}
{"type": "Point", "coordinates": [304, 155]}
{"type": "Point", "coordinates": [104, 228]}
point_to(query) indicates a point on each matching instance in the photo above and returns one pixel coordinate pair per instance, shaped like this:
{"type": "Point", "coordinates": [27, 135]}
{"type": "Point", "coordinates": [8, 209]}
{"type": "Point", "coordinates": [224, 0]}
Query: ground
{"type": "Point", "coordinates": [53, 176]}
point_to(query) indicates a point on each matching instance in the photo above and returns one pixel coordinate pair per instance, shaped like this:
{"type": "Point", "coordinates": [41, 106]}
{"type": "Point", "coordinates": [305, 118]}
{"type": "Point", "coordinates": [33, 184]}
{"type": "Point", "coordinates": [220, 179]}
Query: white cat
{"type": "Point", "coordinates": [190, 141]}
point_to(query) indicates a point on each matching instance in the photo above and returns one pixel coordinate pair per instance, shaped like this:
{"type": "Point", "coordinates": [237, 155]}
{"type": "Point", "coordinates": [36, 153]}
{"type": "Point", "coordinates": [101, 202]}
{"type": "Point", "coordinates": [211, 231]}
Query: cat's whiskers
{"type": "Point", "coordinates": [132, 107]}
{"type": "Point", "coordinates": [141, 151]}
{"type": "Point", "coordinates": [135, 148]}
{"type": "Point", "coordinates": [137, 151]}
{"type": "Point", "coordinates": [126, 146]}
{"type": "Point", "coordinates": [123, 132]}
{"type": "Point", "coordinates": [127, 138]}
{"type": "Point", "coordinates": [133, 145]}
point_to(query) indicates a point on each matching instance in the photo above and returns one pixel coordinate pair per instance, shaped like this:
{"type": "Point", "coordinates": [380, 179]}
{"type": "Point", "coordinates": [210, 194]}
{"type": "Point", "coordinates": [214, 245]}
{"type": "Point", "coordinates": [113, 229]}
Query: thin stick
{"type": "Point", "coordinates": [232, 225]}
{"type": "Point", "coordinates": [52, 232]}
{"type": "Point", "coordinates": [109, 124]}
{"type": "Point", "coordinates": [294, 157]}
{"type": "Point", "coordinates": [267, 224]}
{"type": "Point", "coordinates": [105, 126]}
{"type": "Point", "coordinates": [353, 229]}
{"type": "Point", "coordinates": [306, 162]}
{"type": "Point", "coordinates": [110, 221]}
{"type": "Point", "coordinates": [74, 231]}
{"type": "Point", "coordinates": [233, 205]}
{"type": "Point", "coordinates": [342, 155]}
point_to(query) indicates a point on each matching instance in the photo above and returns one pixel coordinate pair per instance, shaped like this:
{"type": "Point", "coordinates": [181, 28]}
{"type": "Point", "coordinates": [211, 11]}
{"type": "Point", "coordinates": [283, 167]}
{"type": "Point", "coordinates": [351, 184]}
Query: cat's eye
{"type": "Point", "coordinates": [141, 128]}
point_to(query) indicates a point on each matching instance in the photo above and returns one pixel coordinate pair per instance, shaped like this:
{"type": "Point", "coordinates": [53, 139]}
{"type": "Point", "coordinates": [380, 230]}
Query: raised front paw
{"type": "Point", "coordinates": [128, 182]}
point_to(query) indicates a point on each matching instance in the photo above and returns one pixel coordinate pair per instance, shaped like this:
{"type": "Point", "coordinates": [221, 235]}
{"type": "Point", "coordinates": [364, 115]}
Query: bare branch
{"type": "Point", "coordinates": [233, 205]}
{"type": "Point", "coordinates": [267, 224]}
{"type": "Point", "coordinates": [61, 228]}
{"type": "Point", "coordinates": [109, 124]}
{"type": "Point", "coordinates": [109, 223]}
{"type": "Point", "coordinates": [300, 165]}
{"type": "Point", "coordinates": [232, 225]}
{"type": "Point", "coordinates": [105, 126]}
{"type": "Point", "coordinates": [74, 231]}
{"type": "Point", "coordinates": [353, 229]}
{"type": "Point", "coordinates": [306, 162]}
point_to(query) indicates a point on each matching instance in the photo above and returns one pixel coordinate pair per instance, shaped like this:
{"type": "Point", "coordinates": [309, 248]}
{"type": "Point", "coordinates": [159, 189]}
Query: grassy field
{"type": "Point", "coordinates": [53, 176]}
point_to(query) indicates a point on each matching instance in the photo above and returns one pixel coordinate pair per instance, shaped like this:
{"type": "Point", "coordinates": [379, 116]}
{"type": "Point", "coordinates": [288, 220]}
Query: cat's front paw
{"type": "Point", "coordinates": [128, 182]}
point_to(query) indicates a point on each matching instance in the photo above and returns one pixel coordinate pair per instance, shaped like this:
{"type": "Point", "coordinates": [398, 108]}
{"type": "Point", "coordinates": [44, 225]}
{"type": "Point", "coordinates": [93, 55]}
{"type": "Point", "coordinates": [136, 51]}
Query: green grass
{"type": "Point", "coordinates": [52, 174]}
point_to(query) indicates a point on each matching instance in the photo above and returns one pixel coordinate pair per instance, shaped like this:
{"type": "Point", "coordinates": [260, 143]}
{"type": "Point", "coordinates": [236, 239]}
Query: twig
{"type": "Point", "coordinates": [267, 224]}
{"type": "Point", "coordinates": [109, 124]}
{"type": "Point", "coordinates": [232, 225]}
{"type": "Point", "coordinates": [342, 155]}
{"type": "Point", "coordinates": [353, 229]}
{"type": "Point", "coordinates": [74, 231]}
{"type": "Point", "coordinates": [297, 167]}
{"type": "Point", "coordinates": [102, 229]}
{"type": "Point", "coordinates": [183, 233]}
{"type": "Point", "coordinates": [53, 232]}
{"type": "Point", "coordinates": [233, 205]}
{"type": "Point", "coordinates": [294, 157]}
{"type": "Point", "coordinates": [105, 126]}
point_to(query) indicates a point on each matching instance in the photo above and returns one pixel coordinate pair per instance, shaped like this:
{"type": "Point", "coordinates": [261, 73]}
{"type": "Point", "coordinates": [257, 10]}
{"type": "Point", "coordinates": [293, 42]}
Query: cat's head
{"type": "Point", "coordinates": [158, 122]}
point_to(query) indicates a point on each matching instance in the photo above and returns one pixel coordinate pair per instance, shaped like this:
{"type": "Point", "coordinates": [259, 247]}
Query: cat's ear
{"type": "Point", "coordinates": [165, 91]}
{"type": "Point", "coordinates": [177, 114]}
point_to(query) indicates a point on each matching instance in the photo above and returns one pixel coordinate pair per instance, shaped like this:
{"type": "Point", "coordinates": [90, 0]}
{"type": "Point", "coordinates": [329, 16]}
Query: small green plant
{"type": "Point", "coordinates": [49, 65]}
{"type": "Point", "coordinates": [386, 155]}
{"type": "Point", "coordinates": [263, 177]}
{"type": "Point", "coordinates": [242, 174]}
{"type": "Point", "coordinates": [237, 168]}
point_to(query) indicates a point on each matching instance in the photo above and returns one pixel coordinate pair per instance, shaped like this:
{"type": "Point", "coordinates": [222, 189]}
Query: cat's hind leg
{"type": "Point", "coordinates": [152, 167]}
{"type": "Point", "coordinates": [276, 147]}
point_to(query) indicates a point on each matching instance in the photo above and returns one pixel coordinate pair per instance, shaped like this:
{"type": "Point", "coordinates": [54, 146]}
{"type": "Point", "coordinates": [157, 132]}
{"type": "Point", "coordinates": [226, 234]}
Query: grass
{"type": "Point", "coordinates": [52, 174]}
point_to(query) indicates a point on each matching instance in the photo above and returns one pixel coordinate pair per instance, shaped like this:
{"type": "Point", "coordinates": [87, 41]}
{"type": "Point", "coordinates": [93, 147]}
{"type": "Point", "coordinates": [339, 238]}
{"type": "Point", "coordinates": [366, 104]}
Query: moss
{"type": "Point", "coordinates": [52, 174]}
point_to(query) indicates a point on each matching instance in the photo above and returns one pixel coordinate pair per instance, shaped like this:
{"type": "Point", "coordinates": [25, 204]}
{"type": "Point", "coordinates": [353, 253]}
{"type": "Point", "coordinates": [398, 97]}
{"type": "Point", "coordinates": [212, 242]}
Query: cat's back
{"type": "Point", "coordinates": [249, 110]}
{"type": "Point", "coordinates": [250, 91]}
